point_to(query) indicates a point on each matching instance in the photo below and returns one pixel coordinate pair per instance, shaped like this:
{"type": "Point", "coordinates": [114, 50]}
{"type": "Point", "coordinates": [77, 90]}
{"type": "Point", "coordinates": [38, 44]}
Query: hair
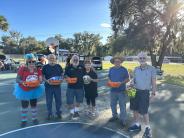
{"type": "Point", "coordinates": [51, 55]}
{"type": "Point", "coordinates": [142, 54]}
{"type": "Point", "coordinates": [72, 59]}
{"type": "Point", "coordinates": [87, 61]}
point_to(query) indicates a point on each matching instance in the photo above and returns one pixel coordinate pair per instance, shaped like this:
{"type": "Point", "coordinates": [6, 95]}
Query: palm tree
{"type": "Point", "coordinates": [3, 23]}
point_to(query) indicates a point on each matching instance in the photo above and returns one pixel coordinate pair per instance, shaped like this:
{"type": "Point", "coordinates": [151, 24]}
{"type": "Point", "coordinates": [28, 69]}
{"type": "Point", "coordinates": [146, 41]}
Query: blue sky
{"type": "Point", "coordinates": [45, 18]}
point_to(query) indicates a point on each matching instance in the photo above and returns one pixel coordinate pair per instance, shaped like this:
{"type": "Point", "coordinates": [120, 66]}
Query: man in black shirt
{"type": "Point", "coordinates": [53, 71]}
{"type": "Point", "coordinates": [74, 89]}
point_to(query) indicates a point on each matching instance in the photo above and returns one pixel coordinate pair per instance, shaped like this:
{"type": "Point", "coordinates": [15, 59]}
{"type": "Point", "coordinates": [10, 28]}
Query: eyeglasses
{"type": "Point", "coordinates": [75, 60]}
{"type": "Point", "coordinates": [31, 61]}
{"type": "Point", "coordinates": [142, 58]}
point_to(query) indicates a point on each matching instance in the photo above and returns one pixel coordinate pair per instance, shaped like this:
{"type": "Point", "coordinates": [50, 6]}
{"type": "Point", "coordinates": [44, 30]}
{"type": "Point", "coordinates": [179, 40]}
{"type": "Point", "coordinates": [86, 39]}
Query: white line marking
{"type": "Point", "coordinates": [62, 123]}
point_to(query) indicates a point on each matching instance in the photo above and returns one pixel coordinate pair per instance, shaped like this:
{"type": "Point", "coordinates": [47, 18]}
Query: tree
{"type": "Point", "coordinates": [150, 25]}
{"type": "Point", "coordinates": [87, 43]}
{"type": "Point", "coordinates": [3, 23]}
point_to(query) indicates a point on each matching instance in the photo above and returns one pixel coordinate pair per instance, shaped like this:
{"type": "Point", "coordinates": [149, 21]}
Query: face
{"type": "Point", "coordinates": [87, 66]}
{"type": "Point", "coordinates": [142, 60]}
{"type": "Point", "coordinates": [31, 63]}
{"type": "Point", "coordinates": [75, 61]}
{"type": "Point", "coordinates": [117, 62]}
{"type": "Point", "coordinates": [52, 59]}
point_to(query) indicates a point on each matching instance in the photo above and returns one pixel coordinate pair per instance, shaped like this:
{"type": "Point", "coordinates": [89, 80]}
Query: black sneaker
{"type": "Point", "coordinates": [147, 133]}
{"type": "Point", "coordinates": [134, 128]}
{"type": "Point", "coordinates": [113, 119]}
{"type": "Point", "coordinates": [49, 117]}
{"type": "Point", "coordinates": [76, 115]}
{"type": "Point", "coordinates": [23, 124]}
{"type": "Point", "coordinates": [71, 116]}
{"type": "Point", "coordinates": [122, 124]}
{"type": "Point", "coordinates": [35, 122]}
{"type": "Point", "coordinates": [59, 117]}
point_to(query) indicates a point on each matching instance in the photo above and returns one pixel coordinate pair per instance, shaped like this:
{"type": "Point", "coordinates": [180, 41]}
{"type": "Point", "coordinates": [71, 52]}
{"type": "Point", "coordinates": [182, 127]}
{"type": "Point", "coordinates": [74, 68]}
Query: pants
{"type": "Point", "coordinates": [91, 101]}
{"type": "Point", "coordinates": [56, 93]}
{"type": "Point", "coordinates": [119, 97]}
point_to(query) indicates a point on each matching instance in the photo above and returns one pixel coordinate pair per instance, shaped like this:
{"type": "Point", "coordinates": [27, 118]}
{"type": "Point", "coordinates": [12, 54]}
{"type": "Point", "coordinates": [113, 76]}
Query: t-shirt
{"type": "Point", "coordinates": [118, 75]}
{"type": "Point", "coordinates": [91, 88]}
{"type": "Point", "coordinates": [51, 72]}
{"type": "Point", "coordinates": [77, 72]}
{"type": "Point", "coordinates": [143, 77]}
{"type": "Point", "coordinates": [26, 75]}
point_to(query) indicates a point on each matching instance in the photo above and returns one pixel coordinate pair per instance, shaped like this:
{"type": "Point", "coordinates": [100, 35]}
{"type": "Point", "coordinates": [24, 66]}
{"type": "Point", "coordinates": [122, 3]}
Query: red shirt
{"type": "Point", "coordinates": [26, 75]}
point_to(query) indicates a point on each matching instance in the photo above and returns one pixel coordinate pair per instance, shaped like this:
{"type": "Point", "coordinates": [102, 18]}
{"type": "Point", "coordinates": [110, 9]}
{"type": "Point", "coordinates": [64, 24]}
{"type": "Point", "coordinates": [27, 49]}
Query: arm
{"type": "Point", "coordinates": [19, 75]}
{"type": "Point", "coordinates": [154, 86]}
{"type": "Point", "coordinates": [126, 80]}
{"type": "Point", "coordinates": [19, 79]}
{"type": "Point", "coordinates": [95, 79]}
{"type": "Point", "coordinates": [153, 81]}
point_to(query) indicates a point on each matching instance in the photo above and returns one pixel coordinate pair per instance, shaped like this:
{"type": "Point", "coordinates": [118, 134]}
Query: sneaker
{"type": "Point", "coordinates": [134, 128]}
{"type": "Point", "coordinates": [93, 114]}
{"type": "Point", "coordinates": [147, 133]}
{"type": "Point", "coordinates": [71, 116]}
{"type": "Point", "coordinates": [122, 124]}
{"type": "Point", "coordinates": [49, 117]}
{"type": "Point", "coordinates": [112, 119]}
{"type": "Point", "coordinates": [59, 117]}
{"type": "Point", "coordinates": [35, 122]}
{"type": "Point", "coordinates": [23, 124]}
{"type": "Point", "coordinates": [76, 115]}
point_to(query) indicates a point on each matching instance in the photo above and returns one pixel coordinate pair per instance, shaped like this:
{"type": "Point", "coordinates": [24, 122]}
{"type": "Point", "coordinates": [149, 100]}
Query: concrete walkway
{"type": "Point", "coordinates": [167, 109]}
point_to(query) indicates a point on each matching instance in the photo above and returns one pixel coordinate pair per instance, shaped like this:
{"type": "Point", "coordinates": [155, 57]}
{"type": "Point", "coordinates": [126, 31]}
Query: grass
{"type": "Point", "coordinates": [173, 73]}
{"type": "Point", "coordinates": [176, 80]}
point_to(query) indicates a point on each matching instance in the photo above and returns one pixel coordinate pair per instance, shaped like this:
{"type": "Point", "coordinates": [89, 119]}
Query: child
{"type": "Point", "coordinates": [90, 87]}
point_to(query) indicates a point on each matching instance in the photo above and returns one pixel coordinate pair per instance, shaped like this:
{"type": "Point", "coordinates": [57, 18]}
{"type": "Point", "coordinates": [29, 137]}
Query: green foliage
{"type": "Point", "coordinates": [3, 24]}
{"type": "Point", "coordinates": [149, 25]}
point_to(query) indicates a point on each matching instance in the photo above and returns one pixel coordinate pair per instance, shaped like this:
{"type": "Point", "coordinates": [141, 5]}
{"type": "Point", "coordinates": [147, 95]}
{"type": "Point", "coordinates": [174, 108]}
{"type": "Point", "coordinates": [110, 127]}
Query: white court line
{"type": "Point", "coordinates": [4, 84]}
{"type": "Point", "coordinates": [62, 123]}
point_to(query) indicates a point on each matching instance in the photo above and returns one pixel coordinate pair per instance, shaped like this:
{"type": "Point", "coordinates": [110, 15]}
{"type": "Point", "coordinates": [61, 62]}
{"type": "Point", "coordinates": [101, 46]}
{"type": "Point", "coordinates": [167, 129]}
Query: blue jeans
{"type": "Point", "coordinates": [119, 97]}
{"type": "Point", "coordinates": [56, 93]}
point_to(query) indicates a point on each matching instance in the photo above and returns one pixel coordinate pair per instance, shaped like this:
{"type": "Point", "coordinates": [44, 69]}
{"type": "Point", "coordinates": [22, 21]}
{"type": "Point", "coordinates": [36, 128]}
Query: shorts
{"type": "Point", "coordinates": [140, 102]}
{"type": "Point", "coordinates": [78, 94]}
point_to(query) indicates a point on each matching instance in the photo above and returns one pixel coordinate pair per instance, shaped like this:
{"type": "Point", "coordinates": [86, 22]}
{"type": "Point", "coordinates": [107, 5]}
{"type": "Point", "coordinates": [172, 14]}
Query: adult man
{"type": "Point", "coordinates": [53, 71]}
{"type": "Point", "coordinates": [144, 80]}
{"type": "Point", "coordinates": [74, 89]}
{"type": "Point", "coordinates": [119, 74]}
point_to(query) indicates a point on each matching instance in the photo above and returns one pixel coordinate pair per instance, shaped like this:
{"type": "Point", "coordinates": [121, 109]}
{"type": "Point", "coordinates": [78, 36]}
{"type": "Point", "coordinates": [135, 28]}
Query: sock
{"type": "Point", "coordinates": [24, 114]}
{"type": "Point", "coordinates": [76, 109]}
{"type": "Point", "coordinates": [34, 113]}
{"type": "Point", "coordinates": [72, 111]}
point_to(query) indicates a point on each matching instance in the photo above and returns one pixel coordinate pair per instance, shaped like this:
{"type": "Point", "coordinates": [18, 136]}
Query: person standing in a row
{"type": "Point", "coordinates": [25, 93]}
{"type": "Point", "coordinates": [53, 71]}
{"type": "Point", "coordinates": [75, 90]}
{"type": "Point", "coordinates": [90, 87]}
{"type": "Point", "coordinates": [144, 80]}
{"type": "Point", "coordinates": [119, 74]}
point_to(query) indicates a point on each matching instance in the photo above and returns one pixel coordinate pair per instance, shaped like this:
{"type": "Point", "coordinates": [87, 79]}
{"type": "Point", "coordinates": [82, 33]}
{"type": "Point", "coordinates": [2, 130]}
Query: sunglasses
{"type": "Point", "coordinates": [142, 58]}
{"type": "Point", "coordinates": [31, 61]}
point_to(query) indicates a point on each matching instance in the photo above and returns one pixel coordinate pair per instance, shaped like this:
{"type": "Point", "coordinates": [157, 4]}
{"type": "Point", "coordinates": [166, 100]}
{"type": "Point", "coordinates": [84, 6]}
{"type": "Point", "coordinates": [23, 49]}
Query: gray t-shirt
{"type": "Point", "coordinates": [143, 77]}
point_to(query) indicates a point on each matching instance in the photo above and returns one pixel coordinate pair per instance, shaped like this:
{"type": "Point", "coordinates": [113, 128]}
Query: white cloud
{"type": "Point", "coordinates": [105, 25]}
